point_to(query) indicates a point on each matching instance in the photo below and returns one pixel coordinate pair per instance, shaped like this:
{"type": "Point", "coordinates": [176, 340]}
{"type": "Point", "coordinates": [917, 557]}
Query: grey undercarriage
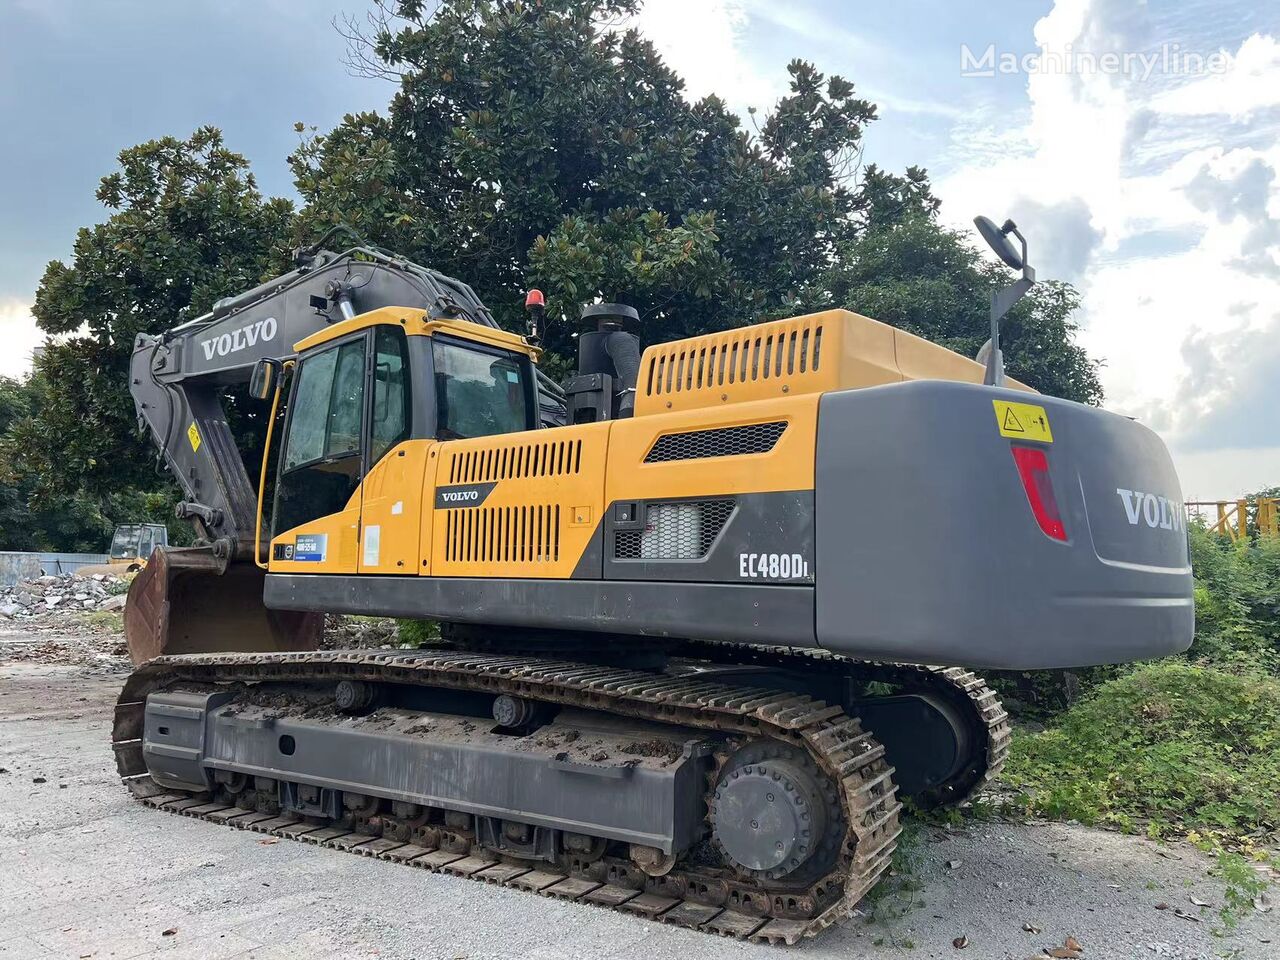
{"type": "Point", "coordinates": [756, 784]}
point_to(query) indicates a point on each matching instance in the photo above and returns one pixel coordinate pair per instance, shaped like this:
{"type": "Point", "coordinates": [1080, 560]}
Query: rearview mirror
{"type": "Point", "coordinates": [998, 240]}
{"type": "Point", "coordinates": [1002, 301]}
{"type": "Point", "coordinates": [263, 380]}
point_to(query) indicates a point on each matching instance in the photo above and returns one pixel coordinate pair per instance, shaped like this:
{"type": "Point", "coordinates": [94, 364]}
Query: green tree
{"type": "Point", "coordinates": [188, 226]}
{"type": "Point", "coordinates": [16, 525]}
{"type": "Point", "coordinates": [528, 143]}
{"type": "Point", "coordinates": [536, 143]}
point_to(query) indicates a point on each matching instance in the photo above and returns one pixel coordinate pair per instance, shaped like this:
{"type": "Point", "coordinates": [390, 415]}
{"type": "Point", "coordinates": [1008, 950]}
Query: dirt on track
{"type": "Point", "coordinates": [90, 873]}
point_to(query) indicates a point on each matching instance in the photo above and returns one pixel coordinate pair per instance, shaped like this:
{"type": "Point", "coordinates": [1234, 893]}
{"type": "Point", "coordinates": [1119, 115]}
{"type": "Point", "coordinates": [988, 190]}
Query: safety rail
{"type": "Point", "coordinates": [1233, 516]}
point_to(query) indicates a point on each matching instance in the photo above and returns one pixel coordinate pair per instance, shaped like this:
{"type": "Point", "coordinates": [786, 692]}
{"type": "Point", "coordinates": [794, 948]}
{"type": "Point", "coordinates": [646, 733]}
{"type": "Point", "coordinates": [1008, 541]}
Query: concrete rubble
{"type": "Point", "coordinates": [65, 620]}
{"type": "Point", "coordinates": [42, 596]}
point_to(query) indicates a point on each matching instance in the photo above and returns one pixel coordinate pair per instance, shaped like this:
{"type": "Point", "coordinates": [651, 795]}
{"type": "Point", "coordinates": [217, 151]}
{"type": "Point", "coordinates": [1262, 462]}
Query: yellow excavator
{"type": "Point", "coordinates": [707, 609]}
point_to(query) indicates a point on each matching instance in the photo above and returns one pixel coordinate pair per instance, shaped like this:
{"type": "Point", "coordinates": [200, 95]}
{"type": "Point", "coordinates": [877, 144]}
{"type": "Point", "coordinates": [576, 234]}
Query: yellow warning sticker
{"type": "Point", "coordinates": [1023, 421]}
{"type": "Point", "coordinates": [194, 436]}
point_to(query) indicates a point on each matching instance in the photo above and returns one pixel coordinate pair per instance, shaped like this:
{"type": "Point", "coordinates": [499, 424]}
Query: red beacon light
{"type": "Point", "coordinates": [535, 304]}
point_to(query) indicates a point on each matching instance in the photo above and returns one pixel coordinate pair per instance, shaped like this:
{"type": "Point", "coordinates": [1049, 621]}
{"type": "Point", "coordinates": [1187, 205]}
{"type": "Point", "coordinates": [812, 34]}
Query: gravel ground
{"type": "Point", "coordinates": [86, 872]}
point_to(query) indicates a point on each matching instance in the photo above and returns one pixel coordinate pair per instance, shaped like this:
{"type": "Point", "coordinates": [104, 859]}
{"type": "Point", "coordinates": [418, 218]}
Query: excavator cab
{"type": "Point", "coordinates": [132, 543]}
{"type": "Point", "coordinates": [370, 399]}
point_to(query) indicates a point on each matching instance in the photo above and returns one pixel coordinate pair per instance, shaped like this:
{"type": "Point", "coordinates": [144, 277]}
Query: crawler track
{"type": "Point", "coordinates": [710, 898]}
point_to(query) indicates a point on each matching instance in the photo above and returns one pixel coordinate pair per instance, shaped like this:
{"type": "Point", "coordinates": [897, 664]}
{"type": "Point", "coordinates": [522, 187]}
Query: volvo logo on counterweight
{"type": "Point", "coordinates": [466, 495]}
{"type": "Point", "coordinates": [1154, 510]}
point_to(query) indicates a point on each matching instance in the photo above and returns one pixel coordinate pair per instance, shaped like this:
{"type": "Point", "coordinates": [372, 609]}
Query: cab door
{"type": "Point", "coordinates": [316, 518]}
{"type": "Point", "coordinates": [391, 514]}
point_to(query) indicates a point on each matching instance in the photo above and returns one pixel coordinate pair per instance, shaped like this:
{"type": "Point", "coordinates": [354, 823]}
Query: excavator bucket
{"type": "Point", "coordinates": [186, 600]}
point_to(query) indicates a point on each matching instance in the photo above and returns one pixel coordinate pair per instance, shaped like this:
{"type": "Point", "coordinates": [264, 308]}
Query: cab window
{"type": "Point", "coordinates": [322, 464]}
{"type": "Point", "coordinates": [390, 392]}
{"type": "Point", "coordinates": [125, 542]}
{"type": "Point", "coordinates": [479, 392]}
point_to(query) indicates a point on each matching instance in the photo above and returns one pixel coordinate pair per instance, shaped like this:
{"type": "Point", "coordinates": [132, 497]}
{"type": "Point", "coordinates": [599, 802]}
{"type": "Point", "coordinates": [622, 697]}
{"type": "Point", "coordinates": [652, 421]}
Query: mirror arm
{"type": "Point", "coordinates": [1002, 301]}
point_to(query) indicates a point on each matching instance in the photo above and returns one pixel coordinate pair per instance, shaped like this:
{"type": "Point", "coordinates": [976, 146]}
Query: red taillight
{"type": "Point", "coordinates": [1033, 468]}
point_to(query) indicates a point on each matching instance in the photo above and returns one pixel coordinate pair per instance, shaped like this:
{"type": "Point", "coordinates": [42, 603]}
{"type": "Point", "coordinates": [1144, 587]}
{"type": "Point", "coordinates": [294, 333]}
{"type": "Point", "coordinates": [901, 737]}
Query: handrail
{"type": "Point", "coordinates": [1233, 516]}
{"type": "Point", "coordinates": [262, 474]}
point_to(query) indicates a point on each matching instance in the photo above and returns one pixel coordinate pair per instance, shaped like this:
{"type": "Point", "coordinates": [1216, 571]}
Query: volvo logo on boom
{"type": "Point", "coordinates": [233, 341]}
{"type": "Point", "coordinates": [1151, 509]}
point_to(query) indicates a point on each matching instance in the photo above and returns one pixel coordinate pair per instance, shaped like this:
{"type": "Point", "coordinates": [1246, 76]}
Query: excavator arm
{"type": "Point", "coordinates": [178, 380]}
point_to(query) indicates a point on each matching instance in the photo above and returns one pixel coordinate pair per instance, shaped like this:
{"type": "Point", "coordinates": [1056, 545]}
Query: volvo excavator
{"type": "Point", "coordinates": [708, 611]}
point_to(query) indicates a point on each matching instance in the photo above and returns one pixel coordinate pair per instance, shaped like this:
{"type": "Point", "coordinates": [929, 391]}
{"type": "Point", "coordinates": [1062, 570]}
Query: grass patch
{"type": "Point", "coordinates": [1172, 747]}
{"type": "Point", "coordinates": [103, 621]}
{"type": "Point", "coordinates": [899, 893]}
{"type": "Point", "coordinates": [1243, 887]}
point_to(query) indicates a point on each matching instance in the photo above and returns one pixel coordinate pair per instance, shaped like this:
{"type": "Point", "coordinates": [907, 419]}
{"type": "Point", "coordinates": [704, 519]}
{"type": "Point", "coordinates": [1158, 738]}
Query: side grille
{"type": "Point", "coordinates": [514, 460]}
{"type": "Point", "coordinates": [675, 531]}
{"type": "Point", "coordinates": [526, 534]}
{"type": "Point", "coordinates": [719, 442]}
{"type": "Point", "coordinates": [765, 352]}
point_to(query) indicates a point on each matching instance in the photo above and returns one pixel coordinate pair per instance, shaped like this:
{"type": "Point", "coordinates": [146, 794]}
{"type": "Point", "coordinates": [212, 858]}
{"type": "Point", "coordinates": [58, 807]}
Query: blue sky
{"type": "Point", "coordinates": [1157, 194]}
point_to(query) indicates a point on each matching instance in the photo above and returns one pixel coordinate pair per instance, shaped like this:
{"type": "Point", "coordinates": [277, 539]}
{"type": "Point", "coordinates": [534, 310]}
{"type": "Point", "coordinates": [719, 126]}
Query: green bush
{"type": "Point", "coordinates": [418, 633]}
{"type": "Point", "coordinates": [1237, 601]}
{"type": "Point", "coordinates": [1177, 746]}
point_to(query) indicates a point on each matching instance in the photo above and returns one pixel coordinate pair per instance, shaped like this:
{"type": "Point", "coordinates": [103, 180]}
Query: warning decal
{"type": "Point", "coordinates": [1022, 421]}
{"type": "Point", "coordinates": [194, 436]}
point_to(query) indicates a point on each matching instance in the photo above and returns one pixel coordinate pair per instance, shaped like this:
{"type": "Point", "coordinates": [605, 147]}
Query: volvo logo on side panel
{"type": "Point", "coordinates": [463, 495]}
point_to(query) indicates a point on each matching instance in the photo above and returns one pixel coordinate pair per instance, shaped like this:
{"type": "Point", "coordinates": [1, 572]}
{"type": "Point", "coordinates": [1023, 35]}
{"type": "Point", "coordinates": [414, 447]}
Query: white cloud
{"type": "Point", "coordinates": [19, 334]}
{"type": "Point", "coordinates": [1227, 473]}
{"type": "Point", "coordinates": [1247, 87]}
{"type": "Point", "coordinates": [703, 42]}
{"type": "Point", "coordinates": [1113, 163]}
{"type": "Point", "coordinates": [707, 42]}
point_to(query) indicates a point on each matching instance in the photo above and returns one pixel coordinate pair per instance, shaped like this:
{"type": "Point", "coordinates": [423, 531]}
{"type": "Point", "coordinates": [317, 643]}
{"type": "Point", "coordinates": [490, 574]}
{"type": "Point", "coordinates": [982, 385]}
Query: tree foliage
{"type": "Point", "coordinates": [535, 143]}
{"type": "Point", "coordinates": [911, 272]}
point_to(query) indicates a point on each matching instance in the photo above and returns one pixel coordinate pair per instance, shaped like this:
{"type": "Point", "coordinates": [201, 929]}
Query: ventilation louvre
{"type": "Point", "coordinates": [716, 442]}
{"type": "Point", "coordinates": [528, 534]}
{"type": "Point", "coordinates": [765, 352]}
{"type": "Point", "coordinates": [683, 530]}
{"type": "Point", "coordinates": [548, 458]}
